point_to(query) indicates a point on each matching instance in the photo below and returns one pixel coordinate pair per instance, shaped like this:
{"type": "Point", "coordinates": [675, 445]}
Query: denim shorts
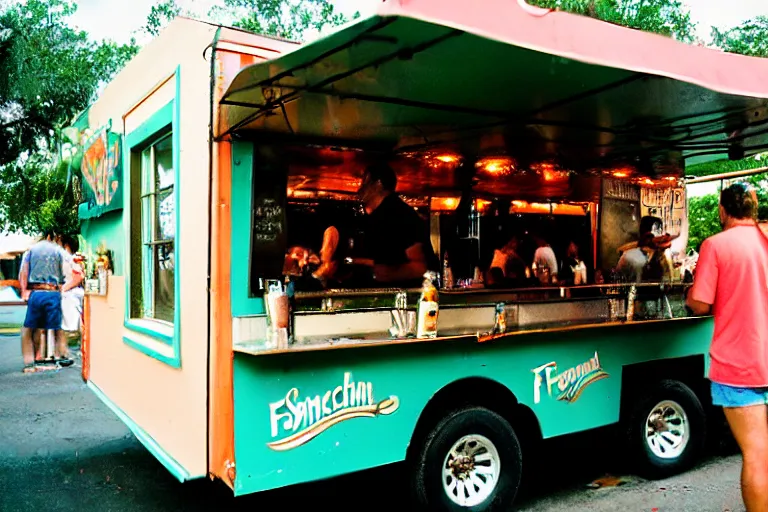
{"type": "Point", "coordinates": [43, 310]}
{"type": "Point", "coordinates": [730, 396]}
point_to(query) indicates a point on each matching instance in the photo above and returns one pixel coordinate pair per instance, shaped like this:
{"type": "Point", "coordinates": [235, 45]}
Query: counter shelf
{"type": "Point", "coordinates": [361, 318]}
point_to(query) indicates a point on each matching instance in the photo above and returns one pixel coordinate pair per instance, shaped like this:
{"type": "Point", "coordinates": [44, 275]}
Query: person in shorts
{"type": "Point", "coordinates": [731, 282]}
{"type": "Point", "coordinates": [42, 281]}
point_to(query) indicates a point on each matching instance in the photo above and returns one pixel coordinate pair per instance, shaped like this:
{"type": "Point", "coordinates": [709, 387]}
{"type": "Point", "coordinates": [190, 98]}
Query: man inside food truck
{"type": "Point", "coordinates": [398, 238]}
{"type": "Point", "coordinates": [647, 259]}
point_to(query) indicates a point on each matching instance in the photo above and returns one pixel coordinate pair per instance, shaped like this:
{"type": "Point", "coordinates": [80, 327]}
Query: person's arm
{"type": "Point", "coordinates": [24, 276]}
{"type": "Point", "coordinates": [552, 263]}
{"type": "Point", "coordinates": [77, 279]}
{"type": "Point", "coordinates": [702, 294]}
{"type": "Point", "coordinates": [77, 276]}
{"type": "Point", "coordinates": [414, 268]}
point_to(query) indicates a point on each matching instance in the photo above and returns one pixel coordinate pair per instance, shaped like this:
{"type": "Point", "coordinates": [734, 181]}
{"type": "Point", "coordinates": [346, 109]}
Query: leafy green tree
{"type": "Point", "coordinates": [749, 38]}
{"type": "Point", "coordinates": [289, 19]}
{"type": "Point", "coordinates": [667, 17]}
{"type": "Point", "coordinates": [48, 73]}
{"type": "Point", "coordinates": [703, 213]}
{"type": "Point", "coordinates": [703, 219]}
{"type": "Point", "coordinates": [160, 15]}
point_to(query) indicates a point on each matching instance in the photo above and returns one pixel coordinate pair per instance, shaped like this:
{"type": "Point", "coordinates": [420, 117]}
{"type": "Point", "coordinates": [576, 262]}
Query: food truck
{"type": "Point", "coordinates": [216, 161]}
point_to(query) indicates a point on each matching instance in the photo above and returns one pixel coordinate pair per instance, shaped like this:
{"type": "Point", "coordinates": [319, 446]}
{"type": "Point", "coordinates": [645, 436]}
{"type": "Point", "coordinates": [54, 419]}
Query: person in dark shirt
{"type": "Point", "coordinates": [398, 238]}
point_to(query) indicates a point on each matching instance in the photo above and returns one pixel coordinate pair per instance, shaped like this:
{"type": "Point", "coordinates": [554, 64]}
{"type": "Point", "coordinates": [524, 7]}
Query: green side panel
{"type": "Point", "coordinates": [109, 230]}
{"type": "Point", "coordinates": [413, 374]}
{"type": "Point", "coordinates": [101, 170]}
{"type": "Point", "coordinates": [242, 185]}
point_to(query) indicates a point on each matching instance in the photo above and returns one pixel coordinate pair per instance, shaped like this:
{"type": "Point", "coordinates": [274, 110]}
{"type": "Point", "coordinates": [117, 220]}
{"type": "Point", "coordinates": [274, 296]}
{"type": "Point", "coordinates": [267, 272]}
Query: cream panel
{"type": "Point", "coordinates": [168, 403]}
{"type": "Point", "coordinates": [165, 402]}
{"type": "Point", "coordinates": [147, 106]}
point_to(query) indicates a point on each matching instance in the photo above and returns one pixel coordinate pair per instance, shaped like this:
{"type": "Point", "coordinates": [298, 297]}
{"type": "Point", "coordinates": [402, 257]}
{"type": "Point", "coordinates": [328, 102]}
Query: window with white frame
{"type": "Point", "coordinates": [158, 232]}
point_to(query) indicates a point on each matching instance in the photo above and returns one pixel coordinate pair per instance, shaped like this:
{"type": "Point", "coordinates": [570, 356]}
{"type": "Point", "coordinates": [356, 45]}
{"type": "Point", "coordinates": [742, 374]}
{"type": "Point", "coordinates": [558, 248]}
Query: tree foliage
{"type": "Point", "coordinates": [48, 73]}
{"type": "Point", "coordinates": [703, 213]}
{"type": "Point", "coordinates": [749, 38]}
{"type": "Point", "coordinates": [667, 17]}
{"type": "Point", "coordinates": [160, 15]}
{"type": "Point", "coordinates": [289, 19]}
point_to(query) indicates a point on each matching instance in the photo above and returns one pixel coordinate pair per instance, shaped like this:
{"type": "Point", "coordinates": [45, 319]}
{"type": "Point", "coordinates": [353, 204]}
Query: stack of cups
{"type": "Point", "coordinates": [278, 311]}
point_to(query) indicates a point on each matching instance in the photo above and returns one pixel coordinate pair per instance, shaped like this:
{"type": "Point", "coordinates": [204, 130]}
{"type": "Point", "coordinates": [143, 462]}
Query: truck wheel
{"type": "Point", "coordinates": [471, 460]}
{"type": "Point", "coordinates": [667, 430]}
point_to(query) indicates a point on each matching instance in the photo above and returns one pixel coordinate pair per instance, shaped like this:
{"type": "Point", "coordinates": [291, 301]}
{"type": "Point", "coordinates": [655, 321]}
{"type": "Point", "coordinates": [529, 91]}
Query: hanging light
{"type": "Point", "coordinates": [549, 171]}
{"type": "Point", "coordinates": [496, 166]}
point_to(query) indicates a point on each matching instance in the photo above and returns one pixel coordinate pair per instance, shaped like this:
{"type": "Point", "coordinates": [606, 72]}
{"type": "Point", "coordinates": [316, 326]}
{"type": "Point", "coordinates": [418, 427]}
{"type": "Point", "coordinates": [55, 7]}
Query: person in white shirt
{"type": "Point", "coordinates": [544, 258]}
{"type": "Point", "coordinates": [71, 300]}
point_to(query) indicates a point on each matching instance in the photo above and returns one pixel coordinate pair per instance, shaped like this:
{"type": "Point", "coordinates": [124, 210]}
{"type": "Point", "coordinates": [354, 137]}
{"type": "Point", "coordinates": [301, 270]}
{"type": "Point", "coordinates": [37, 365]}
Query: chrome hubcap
{"type": "Point", "coordinates": [666, 430]}
{"type": "Point", "coordinates": [471, 470]}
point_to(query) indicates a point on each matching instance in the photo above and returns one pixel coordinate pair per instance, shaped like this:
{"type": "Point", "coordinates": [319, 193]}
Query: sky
{"type": "Point", "coordinates": [119, 19]}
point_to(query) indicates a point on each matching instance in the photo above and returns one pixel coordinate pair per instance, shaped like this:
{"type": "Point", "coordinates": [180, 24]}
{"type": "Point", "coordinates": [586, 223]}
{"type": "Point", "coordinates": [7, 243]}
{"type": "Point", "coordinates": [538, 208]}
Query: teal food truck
{"type": "Point", "coordinates": [501, 122]}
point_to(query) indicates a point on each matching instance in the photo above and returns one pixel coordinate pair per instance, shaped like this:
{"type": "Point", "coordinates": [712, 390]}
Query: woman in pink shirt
{"type": "Point", "coordinates": [731, 282]}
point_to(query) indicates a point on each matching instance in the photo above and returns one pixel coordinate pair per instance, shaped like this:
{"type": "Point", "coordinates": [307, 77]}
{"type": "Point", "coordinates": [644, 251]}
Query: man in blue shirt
{"type": "Point", "coordinates": [42, 281]}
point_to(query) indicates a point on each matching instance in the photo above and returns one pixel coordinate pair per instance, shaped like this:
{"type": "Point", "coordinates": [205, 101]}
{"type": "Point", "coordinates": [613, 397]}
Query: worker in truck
{"type": "Point", "coordinates": [398, 238]}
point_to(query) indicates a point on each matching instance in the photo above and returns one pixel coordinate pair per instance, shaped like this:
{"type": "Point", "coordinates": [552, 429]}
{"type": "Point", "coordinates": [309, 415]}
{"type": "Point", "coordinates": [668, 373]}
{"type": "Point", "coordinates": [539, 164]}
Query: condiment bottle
{"type": "Point", "coordinates": [428, 308]}
{"type": "Point", "coordinates": [447, 273]}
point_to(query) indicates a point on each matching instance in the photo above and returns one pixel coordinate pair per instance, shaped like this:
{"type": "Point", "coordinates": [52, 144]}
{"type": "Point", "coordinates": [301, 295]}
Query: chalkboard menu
{"type": "Point", "coordinates": [268, 217]}
{"type": "Point", "coordinates": [619, 219]}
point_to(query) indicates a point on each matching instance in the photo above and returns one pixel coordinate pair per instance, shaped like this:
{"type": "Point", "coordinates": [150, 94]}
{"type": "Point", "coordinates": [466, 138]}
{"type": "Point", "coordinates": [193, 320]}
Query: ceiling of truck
{"type": "Point", "coordinates": [499, 78]}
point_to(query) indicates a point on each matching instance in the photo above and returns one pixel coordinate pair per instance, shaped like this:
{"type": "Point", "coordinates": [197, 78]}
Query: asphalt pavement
{"type": "Point", "coordinates": [61, 449]}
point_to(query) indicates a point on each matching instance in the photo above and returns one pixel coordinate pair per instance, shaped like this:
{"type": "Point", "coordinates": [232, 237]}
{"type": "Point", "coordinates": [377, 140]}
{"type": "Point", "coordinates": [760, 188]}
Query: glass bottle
{"type": "Point", "coordinates": [428, 308]}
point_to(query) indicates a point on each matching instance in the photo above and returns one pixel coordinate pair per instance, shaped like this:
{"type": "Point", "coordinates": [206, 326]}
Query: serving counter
{"type": "Point", "coordinates": [358, 318]}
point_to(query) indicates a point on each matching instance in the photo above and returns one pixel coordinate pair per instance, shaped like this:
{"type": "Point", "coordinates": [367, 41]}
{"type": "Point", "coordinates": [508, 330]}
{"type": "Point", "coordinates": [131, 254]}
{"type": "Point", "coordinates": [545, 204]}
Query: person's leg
{"type": "Point", "coordinates": [62, 347]}
{"type": "Point", "coordinates": [27, 346]}
{"type": "Point", "coordinates": [750, 428]}
{"type": "Point", "coordinates": [747, 415]}
{"type": "Point", "coordinates": [31, 321]}
{"type": "Point", "coordinates": [51, 303]}
{"type": "Point", "coordinates": [40, 342]}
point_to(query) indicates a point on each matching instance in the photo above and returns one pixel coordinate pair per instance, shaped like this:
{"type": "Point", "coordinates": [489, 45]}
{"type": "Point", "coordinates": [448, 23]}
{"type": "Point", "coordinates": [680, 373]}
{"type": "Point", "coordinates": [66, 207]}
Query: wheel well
{"type": "Point", "coordinates": [477, 391]}
{"type": "Point", "coordinates": [637, 377]}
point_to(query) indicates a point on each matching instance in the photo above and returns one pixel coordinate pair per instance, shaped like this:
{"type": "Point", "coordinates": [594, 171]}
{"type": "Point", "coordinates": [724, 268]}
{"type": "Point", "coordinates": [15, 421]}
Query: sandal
{"type": "Point", "coordinates": [29, 368]}
{"type": "Point", "coordinates": [65, 361]}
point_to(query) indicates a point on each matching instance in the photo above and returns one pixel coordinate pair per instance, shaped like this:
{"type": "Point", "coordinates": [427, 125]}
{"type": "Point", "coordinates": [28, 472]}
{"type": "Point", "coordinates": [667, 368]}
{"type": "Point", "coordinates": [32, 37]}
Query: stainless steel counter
{"type": "Point", "coordinates": [347, 318]}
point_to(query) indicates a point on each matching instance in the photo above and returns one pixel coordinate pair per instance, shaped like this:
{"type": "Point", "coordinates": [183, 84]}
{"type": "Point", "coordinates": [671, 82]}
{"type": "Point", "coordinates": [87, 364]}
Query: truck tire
{"type": "Point", "coordinates": [469, 461]}
{"type": "Point", "coordinates": [666, 430]}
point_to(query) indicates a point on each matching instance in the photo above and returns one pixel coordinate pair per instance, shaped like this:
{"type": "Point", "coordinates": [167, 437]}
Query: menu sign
{"type": "Point", "coordinates": [617, 189]}
{"type": "Point", "coordinates": [268, 219]}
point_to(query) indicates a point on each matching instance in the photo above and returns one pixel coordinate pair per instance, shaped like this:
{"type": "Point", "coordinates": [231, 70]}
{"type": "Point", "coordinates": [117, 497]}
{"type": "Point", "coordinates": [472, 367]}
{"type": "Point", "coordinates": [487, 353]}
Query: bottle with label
{"type": "Point", "coordinates": [447, 273]}
{"type": "Point", "coordinates": [427, 321]}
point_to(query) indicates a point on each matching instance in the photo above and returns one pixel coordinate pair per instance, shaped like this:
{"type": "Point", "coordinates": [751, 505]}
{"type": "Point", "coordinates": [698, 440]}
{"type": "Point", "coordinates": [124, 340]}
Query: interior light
{"type": "Point", "coordinates": [482, 205]}
{"type": "Point", "coordinates": [447, 158]}
{"type": "Point", "coordinates": [499, 166]}
{"type": "Point", "coordinates": [444, 204]}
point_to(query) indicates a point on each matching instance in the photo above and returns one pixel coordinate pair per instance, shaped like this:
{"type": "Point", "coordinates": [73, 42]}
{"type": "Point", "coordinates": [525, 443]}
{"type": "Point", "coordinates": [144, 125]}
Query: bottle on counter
{"type": "Point", "coordinates": [447, 272]}
{"type": "Point", "coordinates": [428, 308]}
{"type": "Point", "coordinates": [477, 278]}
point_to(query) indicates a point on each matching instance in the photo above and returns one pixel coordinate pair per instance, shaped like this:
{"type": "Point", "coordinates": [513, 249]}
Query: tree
{"type": "Point", "coordinates": [48, 73]}
{"type": "Point", "coordinates": [160, 15]}
{"type": "Point", "coordinates": [666, 17]}
{"type": "Point", "coordinates": [704, 217]}
{"type": "Point", "coordinates": [749, 38]}
{"type": "Point", "coordinates": [289, 19]}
